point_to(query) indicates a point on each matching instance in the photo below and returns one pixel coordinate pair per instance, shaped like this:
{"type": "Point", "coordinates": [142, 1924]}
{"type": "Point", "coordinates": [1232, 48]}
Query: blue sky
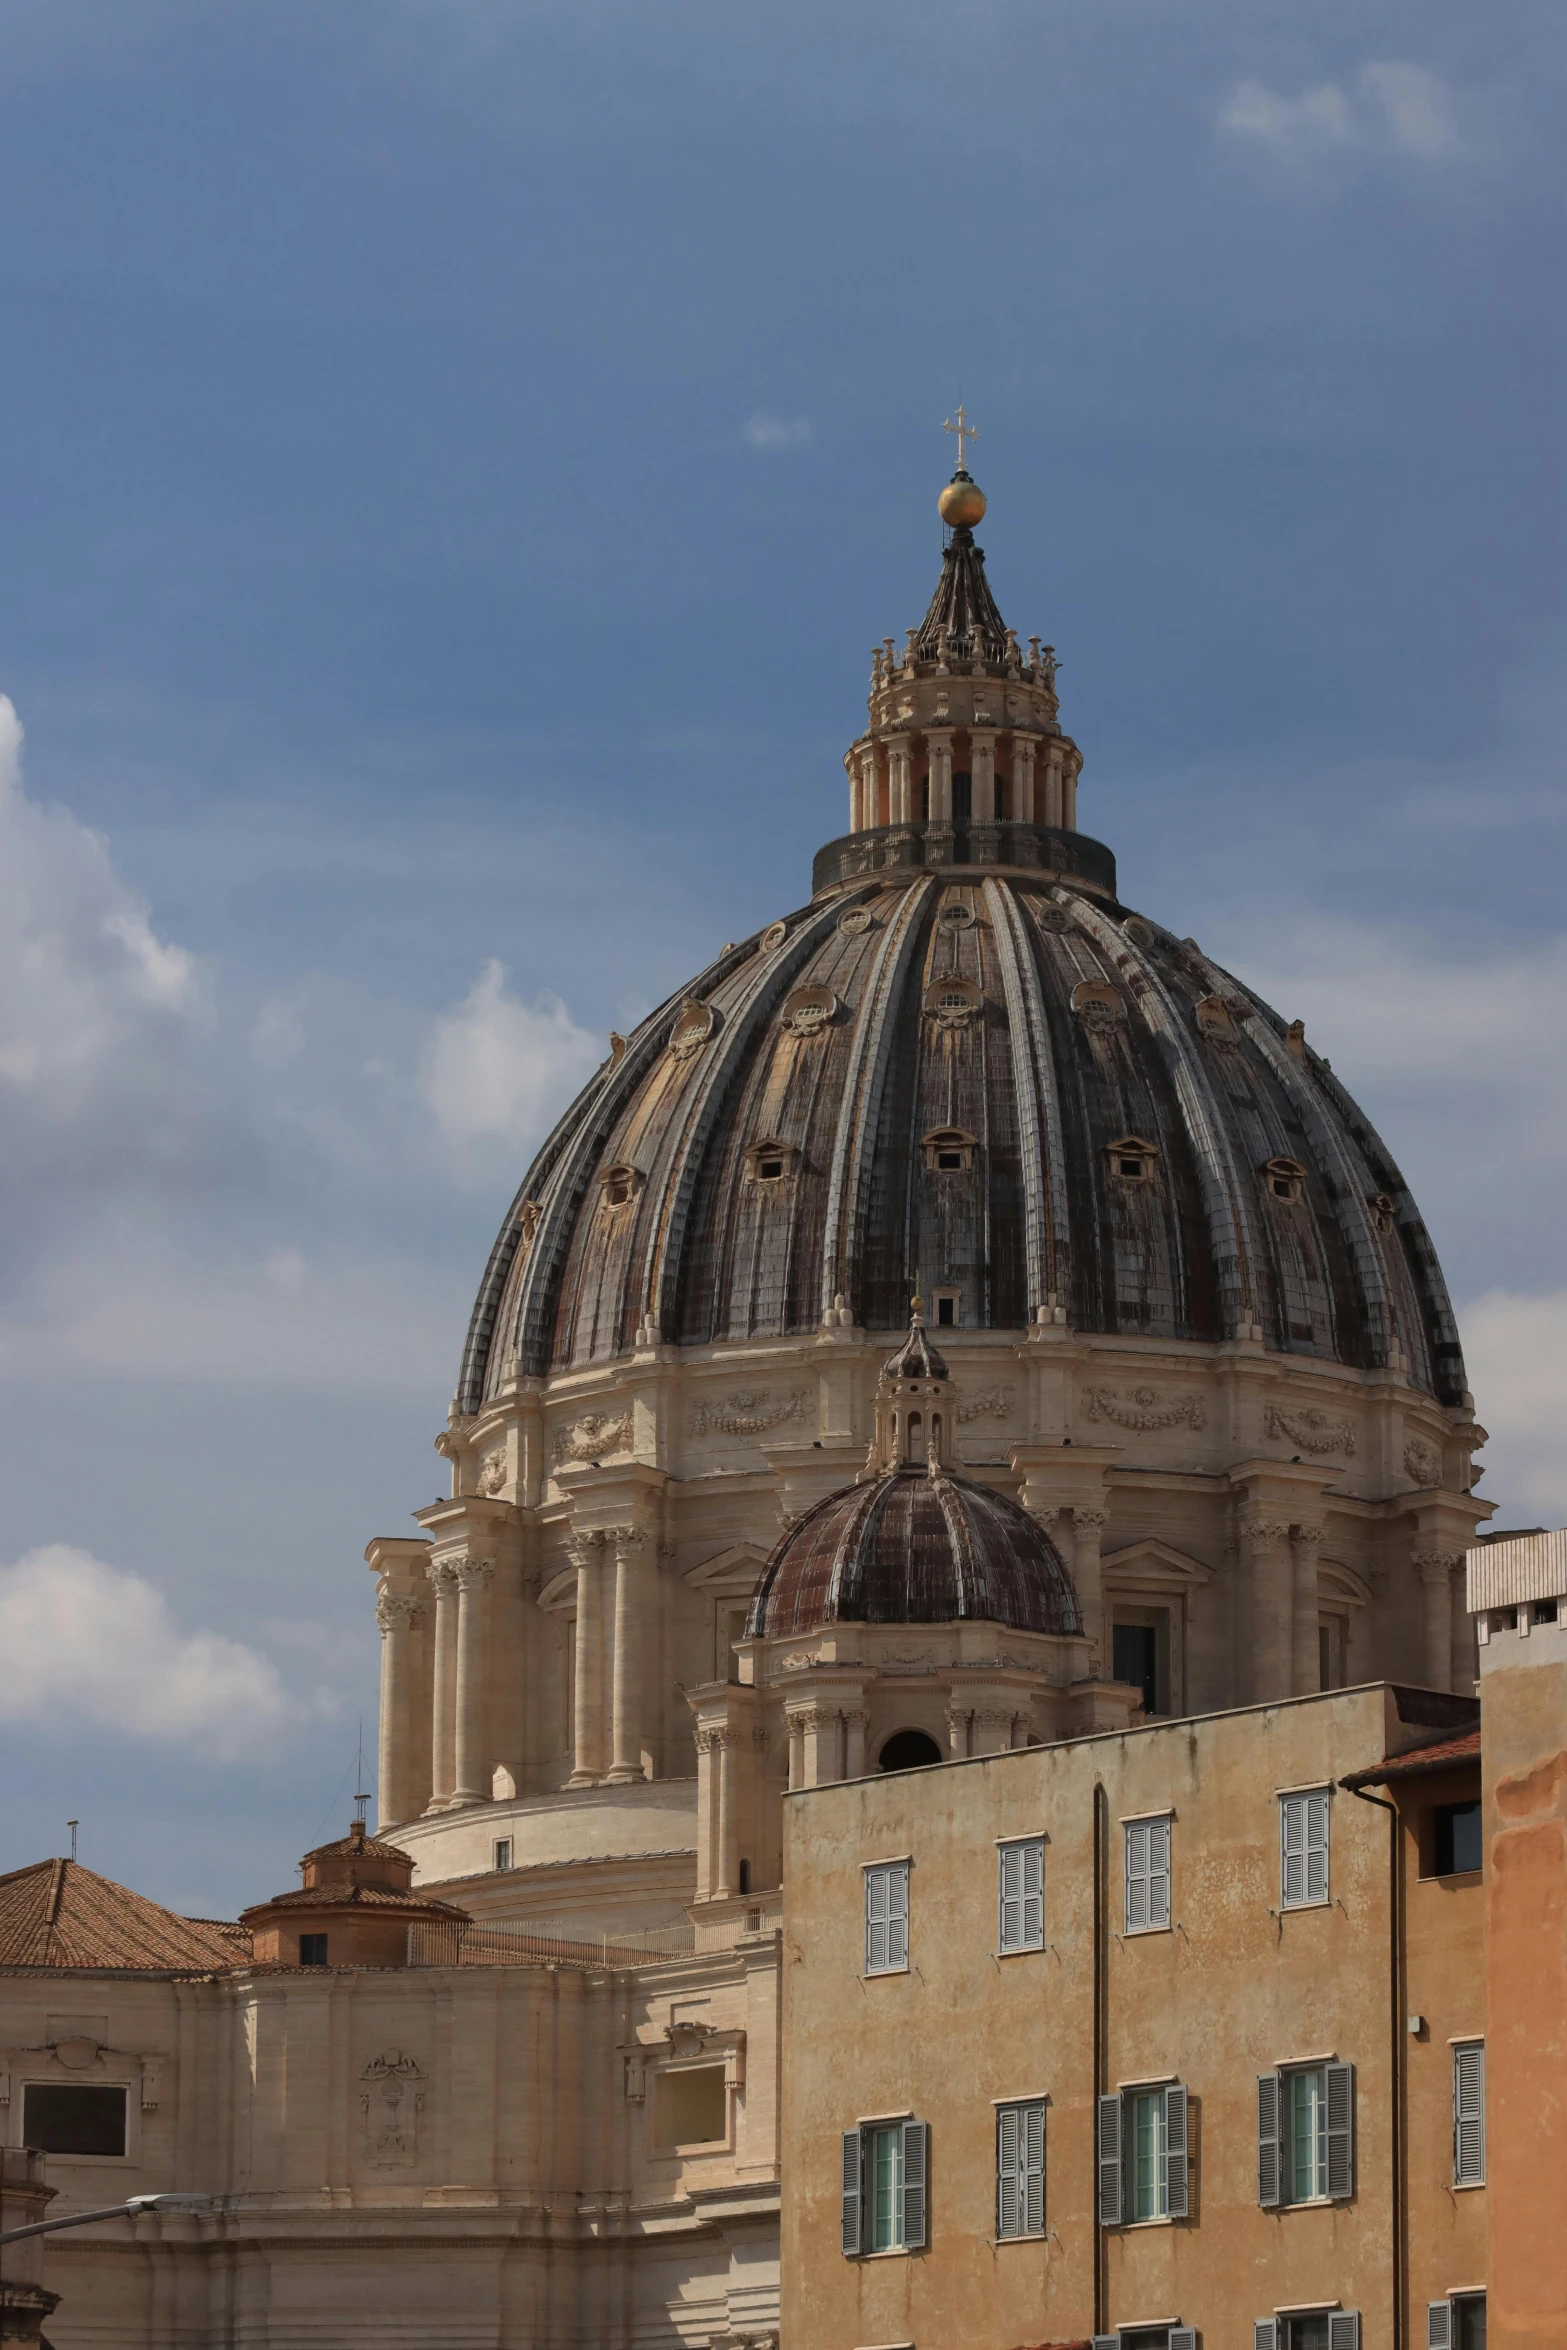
{"type": "Point", "coordinates": [456, 457]}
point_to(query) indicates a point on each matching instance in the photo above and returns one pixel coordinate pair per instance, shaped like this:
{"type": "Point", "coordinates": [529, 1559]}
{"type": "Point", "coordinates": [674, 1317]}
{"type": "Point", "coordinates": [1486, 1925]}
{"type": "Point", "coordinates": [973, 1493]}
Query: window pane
{"type": "Point", "coordinates": [1308, 2333]}
{"type": "Point", "coordinates": [1148, 2154]}
{"type": "Point", "coordinates": [60, 2118]}
{"type": "Point", "coordinates": [1135, 1654]}
{"type": "Point", "coordinates": [1308, 2137]}
{"type": "Point", "coordinates": [886, 2170]}
{"type": "Point", "coordinates": [1469, 2322]}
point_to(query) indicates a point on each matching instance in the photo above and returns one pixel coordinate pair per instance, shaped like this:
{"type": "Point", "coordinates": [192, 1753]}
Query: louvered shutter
{"type": "Point", "coordinates": [1107, 2342]}
{"type": "Point", "coordinates": [1439, 2325]}
{"type": "Point", "coordinates": [1159, 1873]}
{"type": "Point", "coordinates": [1292, 1832]}
{"type": "Point", "coordinates": [1109, 2153]}
{"type": "Point", "coordinates": [1265, 2334]}
{"type": "Point", "coordinates": [1344, 2329]}
{"type": "Point", "coordinates": [914, 2151]}
{"type": "Point", "coordinates": [1469, 2115]}
{"type": "Point", "coordinates": [1033, 1894]}
{"type": "Point", "coordinates": [1340, 2080]}
{"type": "Point", "coordinates": [1137, 1876]}
{"type": "Point", "coordinates": [1181, 2338]}
{"type": "Point", "coordinates": [1175, 2171]}
{"type": "Point", "coordinates": [1012, 1935]}
{"type": "Point", "coordinates": [898, 1915]}
{"type": "Point", "coordinates": [875, 1921]}
{"type": "Point", "coordinates": [1033, 2152]}
{"type": "Point", "coordinates": [1270, 2185]}
{"type": "Point", "coordinates": [1009, 2171]}
{"type": "Point", "coordinates": [852, 2158]}
{"type": "Point", "coordinates": [1317, 1847]}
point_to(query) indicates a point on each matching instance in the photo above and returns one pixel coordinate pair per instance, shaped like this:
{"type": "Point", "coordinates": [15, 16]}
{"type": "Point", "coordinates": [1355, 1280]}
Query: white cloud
{"type": "Point", "coordinates": [778, 432]}
{"type": "Point", "coordinates": [1389, 108]}
{"type": "Point", "coordinates": [497, 1066]}
{"type": "Point", "coordinates": [92, 1001]}
{"type": "Point", "coordinates": [1516, 1350]}
{"type": "Point", "coordinates": [91, 1646]}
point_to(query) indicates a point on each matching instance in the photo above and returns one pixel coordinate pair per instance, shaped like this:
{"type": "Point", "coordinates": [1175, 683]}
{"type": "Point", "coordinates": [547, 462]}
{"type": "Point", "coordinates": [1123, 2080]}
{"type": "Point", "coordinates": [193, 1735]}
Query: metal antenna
{"type": "Point", "coordinates": [361, 1792]}
{"type": "Point", "coordinates": [73, 1825]}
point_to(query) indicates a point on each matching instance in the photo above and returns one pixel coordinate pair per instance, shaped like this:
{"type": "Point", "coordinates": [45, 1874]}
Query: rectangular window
{"type": "Point", "coordinates": [1148, 2338]}
{"type": "Point", "coordinates": [1134, 1658]}
{"type": "Point", "coordinates": [884, 2166]}
{"type": "Point", "coordinates": [691, 2107]}
{"type": "Point", "coordinates": [1456, 1842]}
{"type": "Point", "coordinates": [503, 1852]}
{"type": "Point", "coordinates": [1020, 2169]}
{"type": "Point", "coordinates": [1142, 2155]}
{"type": "Point", "coordinates": [1021, 1870]}
{"type": "Point", "coordinates": [1469, 2114]}
{"type": "Point", "coordinates": [1303, 1849]}
{"type": "Point", "coordinates": [887, 1918]}
{"type": "Point", "coordinates": [1317, 2329]}
{"type": "Point", "coordinates": [61, 2117]}
{"type": "Point", "coordinates": [1306, 2135]}
{"type": "Point", "coordinates": [312, 1950]}
{"type": "Point", "coordinates": [1147, 1876]}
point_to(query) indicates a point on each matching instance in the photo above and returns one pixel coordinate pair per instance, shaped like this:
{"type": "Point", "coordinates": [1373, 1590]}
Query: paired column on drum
{"type": "Point", "coordinates": [470, 1744]}
{"type": "Point", "coordinates": [403, 1777]}
{"type": "Point", "coordinates": [1279, 1568]}
{"type": "Point", "coordinates": [630, 1634]}
{"type": "Point", "coordinates": [443, 1695]}
{"type": "Point", "coordinates": [1437, 1569]}
{"type": "Point", "coordinates": [1087, 1523]}
{"type": "Point", "coordinates": [587, 1697]}
{"type": "Point", "coordinates": [982, 774]}
{"type": "Point", "coordinates": [612, 1633]}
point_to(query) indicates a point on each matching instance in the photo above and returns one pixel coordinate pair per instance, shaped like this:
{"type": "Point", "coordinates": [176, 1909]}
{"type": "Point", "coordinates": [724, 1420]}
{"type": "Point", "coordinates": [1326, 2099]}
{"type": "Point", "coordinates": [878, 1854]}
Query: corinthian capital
{"type": "Point", "coordinates": [1309, 1538]}
{"type": "Point", "coordinates": [473, 1574]}
{"type": "Point", "coordinates": [1264, 1531]}
{"type": "Point", "coordinates": [393, 1608]}
{"type": "Point", "coordinates": [1435, 1565]}
{"type": "Point", "coordinates": [1088, 1519]}
{"type": "Point", "coordinates": [630, 1537]}
{"type": "Point", "coordinates": [443, 1577]}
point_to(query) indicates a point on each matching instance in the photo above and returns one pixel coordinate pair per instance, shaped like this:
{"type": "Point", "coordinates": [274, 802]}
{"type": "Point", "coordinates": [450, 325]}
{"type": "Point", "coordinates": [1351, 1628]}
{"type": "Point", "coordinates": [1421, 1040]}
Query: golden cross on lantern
{"type": "Point", "coordinates": [964, 430]}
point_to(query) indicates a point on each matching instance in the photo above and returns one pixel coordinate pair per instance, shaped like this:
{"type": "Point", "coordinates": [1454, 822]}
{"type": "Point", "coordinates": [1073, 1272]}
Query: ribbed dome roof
{"type": "Point", "coordinates": [1007, 1086]}
{"type": "Point", "coordinates": [913, 1548]}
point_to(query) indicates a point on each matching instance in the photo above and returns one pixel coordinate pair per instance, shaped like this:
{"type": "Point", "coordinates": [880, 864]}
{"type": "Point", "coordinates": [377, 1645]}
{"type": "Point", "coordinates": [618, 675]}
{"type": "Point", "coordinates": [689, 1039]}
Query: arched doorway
{"type": "Point", "coordinates": [908, 1750]}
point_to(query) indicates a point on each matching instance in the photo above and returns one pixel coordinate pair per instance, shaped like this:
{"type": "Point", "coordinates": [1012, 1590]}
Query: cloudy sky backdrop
{"type": "Point", "coordinates": [456, 456]}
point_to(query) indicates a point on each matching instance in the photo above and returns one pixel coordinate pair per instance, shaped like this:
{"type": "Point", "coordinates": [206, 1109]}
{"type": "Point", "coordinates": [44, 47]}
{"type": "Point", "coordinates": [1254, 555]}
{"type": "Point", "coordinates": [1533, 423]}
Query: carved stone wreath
{"type": "Point", "coordinates": [492, 1472]}
{"type": "Point", "coordinates": [856, 922]}
{"type": "Point", "coordinates": [748, 1412]}
{"type": "Point", "coordinates": [1312, 1430]}
{"type": "Point", "coordinates": [995, 1404]}
{"type": "Point", "coordinates": [1422, 1461]}
{"type": "Point", "coordinates": [595, 1437]}
{"type": "Point", "coordinates": [1141, 1408]}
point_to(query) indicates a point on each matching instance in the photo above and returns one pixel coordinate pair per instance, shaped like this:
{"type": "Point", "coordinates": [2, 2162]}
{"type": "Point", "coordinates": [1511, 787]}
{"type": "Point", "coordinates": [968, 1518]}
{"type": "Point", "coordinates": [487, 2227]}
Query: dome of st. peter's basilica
{"type": "Point", "coordinates": [1203, 1430]}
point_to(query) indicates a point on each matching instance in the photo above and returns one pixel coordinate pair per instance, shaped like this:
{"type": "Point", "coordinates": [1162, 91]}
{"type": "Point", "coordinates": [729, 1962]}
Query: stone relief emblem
{"type": "Point", "coordinates": [748, 1412]}
{"type": "Point", "coordinates": [1312, 1430]}
{"type": "Point", "coordinates": [694, 1024]}
{"type": "Point", "coordinates": [391, 2099]}
{"type": "Point", "coordinates": [773, 936]}
{"type": "Point", "coordinates": [994, 1405]}
{"type": "Point", "coordinates": [1422, 1461]}
{"type": "Point", "coordinates": [856, 922]}
{"type": "Point", "coordinates": [492, 1472]}
{"type": "Point", "coordinates": [594, 1437]}
{"type": "Point", "coordinates": [1141, 1408]}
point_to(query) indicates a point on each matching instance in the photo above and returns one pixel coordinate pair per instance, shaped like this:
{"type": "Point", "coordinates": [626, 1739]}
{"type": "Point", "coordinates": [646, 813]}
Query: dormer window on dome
{"type": "Point", "coordinates": [619, 1184]}
{"type": "Point", "coordinates": [1284, 1178]}
{"type": "Point", "coordinates": [1132, 1160]}
{"type": "Point", "coordinates": [950, 1150]}
{"type": "Point", "coordinates": [770, 1162]}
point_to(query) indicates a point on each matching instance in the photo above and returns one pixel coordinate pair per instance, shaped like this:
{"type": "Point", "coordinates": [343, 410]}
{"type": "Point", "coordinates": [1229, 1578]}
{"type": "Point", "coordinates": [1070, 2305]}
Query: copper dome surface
{"type": "Point", "coordinates": [911, 1548]}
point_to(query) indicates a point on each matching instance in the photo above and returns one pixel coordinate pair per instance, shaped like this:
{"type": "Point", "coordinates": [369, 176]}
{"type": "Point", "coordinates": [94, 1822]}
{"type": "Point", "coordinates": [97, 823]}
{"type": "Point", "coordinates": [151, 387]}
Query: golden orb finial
{"type": "Point", "coordinates": [962, 502]}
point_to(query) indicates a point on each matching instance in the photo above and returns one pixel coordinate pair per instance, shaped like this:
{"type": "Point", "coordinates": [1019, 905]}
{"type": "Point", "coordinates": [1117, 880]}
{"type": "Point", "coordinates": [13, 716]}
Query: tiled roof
{"type": "Point", "coordinates": [342, 1896]}
{"type": "Point", "coordinates": [1443, 1755]}
{"type": "Point", "coordinates": [58, 1914]}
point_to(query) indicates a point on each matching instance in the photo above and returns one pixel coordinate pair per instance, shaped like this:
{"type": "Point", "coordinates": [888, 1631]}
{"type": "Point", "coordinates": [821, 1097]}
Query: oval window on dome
{"type": "Point", "coordinates": [1283, 1178]}
{"type": "Point", "coordinates": [953, 1002]}
{"type": "Point", "coordinates": [1098, 1004]}
{"type": "Point", "coordinates": [694, 1024]}
{"type": "Point", "coordinates": [808, 1010]}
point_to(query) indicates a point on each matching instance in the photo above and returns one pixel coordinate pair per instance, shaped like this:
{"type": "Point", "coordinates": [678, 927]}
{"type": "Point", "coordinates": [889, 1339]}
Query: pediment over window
{"type": "Point", "coordinates": [1152, 1565]}
{"type": "Point", "coordinates": [730, 1573]}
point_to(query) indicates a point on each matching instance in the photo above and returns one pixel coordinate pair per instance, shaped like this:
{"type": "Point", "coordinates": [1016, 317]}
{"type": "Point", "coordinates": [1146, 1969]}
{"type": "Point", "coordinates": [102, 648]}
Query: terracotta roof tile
{"type": "Point", "coordinates": [58, 1914]}
{"type": "Point", "coordinates": [1443, 1754]}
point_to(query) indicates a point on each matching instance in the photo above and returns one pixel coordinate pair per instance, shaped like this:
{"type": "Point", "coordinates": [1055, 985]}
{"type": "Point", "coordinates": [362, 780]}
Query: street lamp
{"type": "Point", "coordinates": [126, 2210]}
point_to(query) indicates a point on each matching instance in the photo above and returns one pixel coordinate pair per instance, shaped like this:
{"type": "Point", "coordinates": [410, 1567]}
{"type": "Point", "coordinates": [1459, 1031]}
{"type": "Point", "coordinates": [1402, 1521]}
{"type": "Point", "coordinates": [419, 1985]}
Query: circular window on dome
{"type": "Point", "coordinates": [1097, 1004]}
{"type": "Point", "coordinates": [774, 936]}
{"type": "Point", "coordinates": [1137, 930]}
{"type": "Point", "coordinates": [953, 1002]}
{"type": "Point", "coordinates": [856, 922]}
{"type": "Point", "coordinates": [808, 1010]}
{"type": "Point", "coordinates": [908, 1750]}
{"type": "Point", "coordinates": [956, 915]}
{"type": "Point", "coordinates": [694, 1024]}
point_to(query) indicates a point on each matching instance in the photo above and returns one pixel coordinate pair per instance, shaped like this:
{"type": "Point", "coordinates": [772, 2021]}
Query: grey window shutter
{"type": "Point", "coordinates": [1292, 1859]}
{"type": "Point", "coordinates": [1033, 2151]}
{"type": "Point", "coordinates": [1109, 2151]}
{"type": "Point", "coordinates": [1344, 2329]}
{"type": "Point", "coordinates": [1439, 2325]}
{"type": "Point", "coordinates": [851, 2194]}
{"type": "Point", "coordinates": [1181, 2338]}
{"type": "Point", "coordinates": [1012, 1935]}
{"type": "Point", "coordinates": [1159, 1873]}
{"type": "Point", "coordinates": [1009, 2171]}
{"type": "Point", "coordinates": [1136, 1877]}
{"type": "Point", "coordinates": [1265, 2334]}
{"type": "Point", "coordinates": [1270, 2185]}
{"type": "Point", "coordinates": [1033, 1894]}
{"type": "Point", "coordinates": [914, 2152]}
{"type": "Point", "coordinates": [898, 1915]}
{"type": "Point", "coordinates": [1469, 2115]}
{"type": "Point", "coordinates": [875, 1920]}
{"type": "Point", "coordinates": [1341, 2133]}
{"type": "Point", "coordinates": [1316, 1847]}
{"type": "Point", "coordinates": [1107, 2342]}
{"type": "Point", "coordinates": [1175, 2167]}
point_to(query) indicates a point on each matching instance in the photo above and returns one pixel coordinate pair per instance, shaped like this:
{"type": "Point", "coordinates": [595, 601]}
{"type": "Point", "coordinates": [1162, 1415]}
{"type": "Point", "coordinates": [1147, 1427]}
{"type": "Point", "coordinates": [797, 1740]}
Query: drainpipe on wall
{"type": "Point", "coordinates": [1101, 2004]}
{"type": "Point", "coordinates": [1396, 2030]}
